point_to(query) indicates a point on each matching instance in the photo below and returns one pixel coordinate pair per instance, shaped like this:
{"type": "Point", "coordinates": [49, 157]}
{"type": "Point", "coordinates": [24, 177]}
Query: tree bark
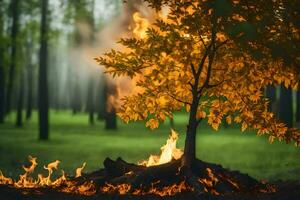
{"type": "Point", "coordinates": [76, 97]}
{"type": "Point", "coordinates": [101, 98]}
{"type": "Point", "coordinates": [14, 6]}
{"type": "Point", "coordinates": [43, 81]}
{"type": "Point", "coordinates": [298, 107]}
{"type": "Point", "coordinates": [29, 82]}
{"type": "Point", "coordinates": [90, 101]}
{"type": "Point", "coordinates": [190, 141]}
{"type": "Point", "coordinates": [19, 118]}
{"type": "Point", "coordinates": [271, 95]}
{"type": "Point", "coordinates": [110, 90]}
{"type": "Point", "coordinates": [286, 106]}
{"type": "Point", "coordinates": [2, 70]}
{"type": "Point", "coordinates": [2, 89]}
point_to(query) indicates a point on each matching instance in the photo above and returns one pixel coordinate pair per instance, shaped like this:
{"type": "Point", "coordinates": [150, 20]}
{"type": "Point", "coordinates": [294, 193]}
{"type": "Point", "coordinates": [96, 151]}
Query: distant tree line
{"type": "Point", "coordinates": [35, 72]}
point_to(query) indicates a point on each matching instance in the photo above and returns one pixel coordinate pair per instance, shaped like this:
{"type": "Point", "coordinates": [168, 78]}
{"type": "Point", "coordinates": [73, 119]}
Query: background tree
{"type": "Point", "coordinates": [286, 106]}
{"type": "Point", "coordinates": [3, 48]}
{"type": "Point", "coordinates": [298, 107]}
{"type": "Point", "coordinates": [15, 12]}
{"type": "Point", "coordinates": [196, 58]}
{"type": "Point", "coordinates": [271, 94]}
{"type": "Point", "coordinates": [43, 79]}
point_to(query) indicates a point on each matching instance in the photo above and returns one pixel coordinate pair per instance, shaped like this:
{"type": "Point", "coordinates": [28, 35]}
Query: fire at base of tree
{"type": "Point", "coordinates": [159, 176]}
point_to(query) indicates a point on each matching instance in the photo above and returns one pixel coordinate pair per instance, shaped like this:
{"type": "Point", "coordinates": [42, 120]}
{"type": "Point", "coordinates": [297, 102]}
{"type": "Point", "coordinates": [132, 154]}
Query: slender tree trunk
{"type": "Point", "coordinates": [298, 107]}
{"type": "Point", "coordinates": [14, 32]}
{"type": "Point", "coordinates": [271, 95]}
{"type": "Point", "coordinates": [2, 89]}
{"type": "Point", "coordinates": [286, 106]}
{"type": "Point", "coordinates": [19, 119]}
{"type": "Point", "coordinates": [110, 114]}
{"type": "Point", "coordinates": [43, 81]}
{"type": "Point", "coordinates": [29, 82]}
{"type": "Point", "coordinates": [2, 70]}
{"type": "Point", "coordinates": [190, 140]}
{"type": "Point", "coordinates": [90, 101]}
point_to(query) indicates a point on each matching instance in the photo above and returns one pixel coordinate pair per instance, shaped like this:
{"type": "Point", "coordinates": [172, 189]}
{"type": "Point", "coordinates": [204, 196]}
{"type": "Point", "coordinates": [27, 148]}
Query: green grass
{"type": "Point", "coordinates": [73, 141]}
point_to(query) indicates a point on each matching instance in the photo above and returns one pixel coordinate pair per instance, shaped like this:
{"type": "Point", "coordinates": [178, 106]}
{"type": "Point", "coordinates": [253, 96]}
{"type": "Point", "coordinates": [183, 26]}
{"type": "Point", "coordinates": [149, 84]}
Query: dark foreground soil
{"type": "Point", "coordinates": [231, 185]}
{"type": "Point", "coordinates": [289, 190]}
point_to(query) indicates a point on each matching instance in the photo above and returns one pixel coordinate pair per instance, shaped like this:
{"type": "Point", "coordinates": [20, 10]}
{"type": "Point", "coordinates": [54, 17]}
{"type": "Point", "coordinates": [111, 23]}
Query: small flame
{"type": "Point", "coordinates": [79, 170]}
{"type": "Point", "coordinates": [165, 191]}
{"type": "Point", "coordinates": [141, 25]}
{"type": "Point", "coordinates": [168, 152]}
{"type": "Point", "coordinates": [26, 181]}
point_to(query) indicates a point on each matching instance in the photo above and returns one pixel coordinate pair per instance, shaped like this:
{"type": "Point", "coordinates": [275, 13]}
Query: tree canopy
{"type": "Point", "coordinates": [222, 53]}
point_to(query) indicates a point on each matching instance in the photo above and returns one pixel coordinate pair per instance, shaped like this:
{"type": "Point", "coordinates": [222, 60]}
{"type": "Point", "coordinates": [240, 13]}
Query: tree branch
{"type": "Point", "coordinates": [179, 100]}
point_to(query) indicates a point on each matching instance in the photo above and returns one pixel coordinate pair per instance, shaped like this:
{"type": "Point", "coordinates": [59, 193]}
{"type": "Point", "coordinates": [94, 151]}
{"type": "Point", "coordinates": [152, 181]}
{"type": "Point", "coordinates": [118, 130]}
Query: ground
{"type": "Point", "coordinates": [73, 141]}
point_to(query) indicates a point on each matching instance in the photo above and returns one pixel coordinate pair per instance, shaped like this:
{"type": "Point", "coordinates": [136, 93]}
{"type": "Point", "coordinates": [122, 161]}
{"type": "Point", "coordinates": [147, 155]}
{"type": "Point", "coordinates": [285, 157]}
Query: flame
{"type": "Point", "coordinates": [79, 170]}
{"type": "Point", "coordinates": [4, 180]}
{"type": "Point", "coordinates": [26, 181]}
{"type": "Point", "coordinates": [165, 191]}
{"type": "Point", "coordinates": [168, 152]}
{"type": "Point", "coordinates": [141, 25]}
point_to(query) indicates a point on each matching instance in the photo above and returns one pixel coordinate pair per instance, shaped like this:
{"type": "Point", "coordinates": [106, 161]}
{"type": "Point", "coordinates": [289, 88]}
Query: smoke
{"type": "Point", "coordinates": [75, 65]}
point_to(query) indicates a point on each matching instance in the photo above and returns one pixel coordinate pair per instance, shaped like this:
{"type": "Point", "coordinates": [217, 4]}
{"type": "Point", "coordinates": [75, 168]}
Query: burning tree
{"type": "Point", "coordinates": [211, 57]}
{"type": "Point", "coordinates": [195, 57]}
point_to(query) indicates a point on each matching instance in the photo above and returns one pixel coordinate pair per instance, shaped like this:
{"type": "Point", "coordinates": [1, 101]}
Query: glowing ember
{"type": "Point", "coordinates": [165, 191]}
{"type": "Point", "coordinates": [168, 152]}
{"type": "Point", "coordinates": [210, 182]}
{"type": "Point", "coordinates": [141, 25]}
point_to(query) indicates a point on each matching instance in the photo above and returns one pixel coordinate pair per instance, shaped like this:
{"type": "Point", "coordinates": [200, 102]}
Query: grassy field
{"type": "Point", "coordinates": [73, 141]}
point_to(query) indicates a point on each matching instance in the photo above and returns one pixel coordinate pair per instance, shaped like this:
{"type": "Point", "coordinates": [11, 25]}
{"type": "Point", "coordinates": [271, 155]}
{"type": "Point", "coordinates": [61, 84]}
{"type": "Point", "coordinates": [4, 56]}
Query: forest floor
{"type": "Point", "coordinates": [73, 141]}
{"type": "Point", "coordinates": [288, 191]}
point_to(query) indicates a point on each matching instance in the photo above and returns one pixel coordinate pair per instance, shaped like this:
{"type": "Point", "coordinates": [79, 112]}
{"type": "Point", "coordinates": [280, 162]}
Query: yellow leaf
{"type": "Point", "coordinates": [228, 119]}
{"type": "Point", "coordinates": [215, 126]}
{"type": "Point", "coordinates": [244, 126]}
{"type": "Point", "coordinates": [152, 123]}
{"type": "Point", "coordinates": [237, 119]}
{"type": "Point", "coordinates": [201, 114]}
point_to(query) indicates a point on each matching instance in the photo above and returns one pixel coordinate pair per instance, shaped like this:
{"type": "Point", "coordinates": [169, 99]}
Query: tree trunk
{"type": "Point", "coordinates": [43, 82]}
{"type": "Point", "coordinates": [101, 98]}
{"type": "Point", "coordinates": [271, 95]}
{"type": "Point", "coordinates": [29, 82]}
{"type": "Point", "coordinates": [14, 6]}
{"type": "Point", "coordinates": [298, 107]}
{"type": "Point", "coordinates": [110, 114]}
{"type": "Point", "coordinates": [286, 106]}
{"type": "Point", "coordinates": [19, 119]}
{"type": "Point", "coordinates": [190, 141]}
{"type": "Point", "coordinates": [2, 70]}
{"type": "Point", "coordinates": [90, 101]}
{"type": "Point", "coordinates": [2, 89]}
